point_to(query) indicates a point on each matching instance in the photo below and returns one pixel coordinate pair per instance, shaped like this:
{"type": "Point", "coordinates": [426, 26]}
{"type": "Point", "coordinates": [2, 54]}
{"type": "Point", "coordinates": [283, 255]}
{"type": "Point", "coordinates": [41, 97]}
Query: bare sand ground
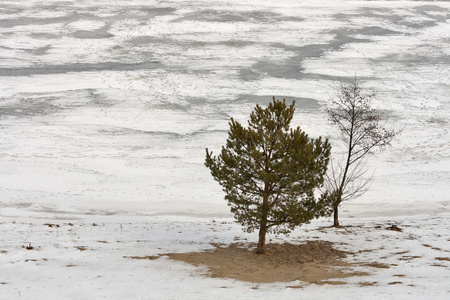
{"type": "Point", "coordinates": [311, 262]}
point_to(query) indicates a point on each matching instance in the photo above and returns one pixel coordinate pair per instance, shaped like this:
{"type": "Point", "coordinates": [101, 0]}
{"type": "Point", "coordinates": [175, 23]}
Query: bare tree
{"type": "Point", "coordinates": [362, 131]}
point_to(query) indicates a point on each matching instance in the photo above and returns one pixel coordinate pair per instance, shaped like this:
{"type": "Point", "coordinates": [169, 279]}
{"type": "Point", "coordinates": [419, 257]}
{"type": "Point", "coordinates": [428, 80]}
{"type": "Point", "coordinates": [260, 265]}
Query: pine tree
{"type": "Point", "coordinates": [269, 171]}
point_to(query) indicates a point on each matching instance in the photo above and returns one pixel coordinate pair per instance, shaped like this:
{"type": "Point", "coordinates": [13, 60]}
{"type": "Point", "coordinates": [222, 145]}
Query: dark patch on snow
{"type": "Point", "coordinates": [77, 14]}
{"type": "Point", "coordinates": [292, 67]}
{"type": "Point", "coordinates": [100, 33]}
{"type": "Point", "coordinates": [79, 67]}
{"type": "Point", "coordinates": [226, 16]}
{"type": "Point", "coordinates": [300, 102]}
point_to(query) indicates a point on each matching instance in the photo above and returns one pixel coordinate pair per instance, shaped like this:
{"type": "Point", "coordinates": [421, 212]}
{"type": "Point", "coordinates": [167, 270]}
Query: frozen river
{"type": "Point", "coordinates": [106, 107]}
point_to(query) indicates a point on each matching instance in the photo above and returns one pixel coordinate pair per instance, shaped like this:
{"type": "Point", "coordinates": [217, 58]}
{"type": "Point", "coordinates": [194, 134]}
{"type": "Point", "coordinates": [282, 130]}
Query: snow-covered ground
{"type": "Point", "coordinates": [106, 108]}
{"type": "Point", "coordinates": [87, 260]}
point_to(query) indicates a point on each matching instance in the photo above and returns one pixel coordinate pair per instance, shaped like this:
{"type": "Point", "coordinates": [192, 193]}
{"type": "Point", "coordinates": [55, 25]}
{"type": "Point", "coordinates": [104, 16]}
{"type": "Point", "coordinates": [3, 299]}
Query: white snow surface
{"type": "Point", "coordinates": [87, 260]}
{"type": "Point", "coordinates": [106, 108]}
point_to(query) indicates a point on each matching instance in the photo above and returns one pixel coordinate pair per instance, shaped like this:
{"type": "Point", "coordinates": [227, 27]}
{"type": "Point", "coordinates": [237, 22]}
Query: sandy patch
{"type": "Point", "coordinates": [312, 262]}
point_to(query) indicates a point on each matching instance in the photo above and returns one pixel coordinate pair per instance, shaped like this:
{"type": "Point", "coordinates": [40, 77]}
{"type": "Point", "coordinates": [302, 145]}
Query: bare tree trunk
{"type": "Point", "coordinates": [336, 216]}
{"type": "Point", "coordinates": [359, 126]}
{"type": "Point", "coordinates": [337, 202]}
{"type": "Point", "coordinates": [262, 240]}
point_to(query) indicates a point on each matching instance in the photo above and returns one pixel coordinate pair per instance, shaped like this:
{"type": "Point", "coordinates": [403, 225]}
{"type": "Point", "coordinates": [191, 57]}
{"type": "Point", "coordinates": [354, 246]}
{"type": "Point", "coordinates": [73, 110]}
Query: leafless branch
{"type": "Point", "coordinates": [358, 123]}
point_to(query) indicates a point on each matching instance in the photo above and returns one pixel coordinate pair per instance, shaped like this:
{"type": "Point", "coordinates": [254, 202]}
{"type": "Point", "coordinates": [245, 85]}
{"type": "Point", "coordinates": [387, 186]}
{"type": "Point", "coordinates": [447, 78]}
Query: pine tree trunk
{"type": "Point", "coordinates": [262, 240]}
{"type": "Point", "coordinates": [263, 224]}
{"type": "Point", "coordinates": [336, 216]}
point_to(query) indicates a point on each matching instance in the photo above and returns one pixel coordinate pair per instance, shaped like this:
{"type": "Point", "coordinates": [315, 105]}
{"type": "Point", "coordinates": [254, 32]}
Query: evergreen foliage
{"type": "Point", "coordinates": [269, 171]}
